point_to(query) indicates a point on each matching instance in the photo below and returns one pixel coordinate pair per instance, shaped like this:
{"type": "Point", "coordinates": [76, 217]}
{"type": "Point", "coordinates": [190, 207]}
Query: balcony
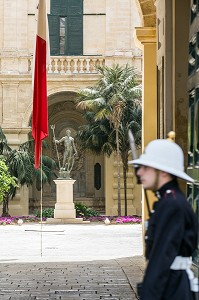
{"type": "Point", "coordinates": [12, 63]}
{"type": "Point", "coordinates": [75, 64]}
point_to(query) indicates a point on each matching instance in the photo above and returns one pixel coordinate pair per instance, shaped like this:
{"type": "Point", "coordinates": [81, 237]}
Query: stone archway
{"type": "Point", "coordinates": [64, 115]}
{"type": "Point", "coordinates": [147, 11]}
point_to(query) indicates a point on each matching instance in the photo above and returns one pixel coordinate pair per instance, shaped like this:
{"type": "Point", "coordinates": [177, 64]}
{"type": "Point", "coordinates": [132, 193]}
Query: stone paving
{"type": "Point", "coordinates": [65, 277]}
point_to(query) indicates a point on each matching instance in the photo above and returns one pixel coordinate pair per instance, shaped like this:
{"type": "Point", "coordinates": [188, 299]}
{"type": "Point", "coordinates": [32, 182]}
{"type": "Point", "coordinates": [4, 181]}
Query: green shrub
{"type": "Point", "coordinates": [84, 211]}
{"type": "Point", "coordinates": [46, 213]}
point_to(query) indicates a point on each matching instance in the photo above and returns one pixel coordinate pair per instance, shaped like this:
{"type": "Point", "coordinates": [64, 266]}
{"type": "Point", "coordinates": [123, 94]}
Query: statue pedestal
{"type": "Point", "coordinates": [64, 212]}
{"type": "Point", "coordinates": [64, 207]}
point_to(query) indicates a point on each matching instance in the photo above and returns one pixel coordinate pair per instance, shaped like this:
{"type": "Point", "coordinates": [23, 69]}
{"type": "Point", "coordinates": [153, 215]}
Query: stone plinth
{"type": "Point", "coordinates": [64, 207]}
{"type": "Point", "coordinates": [66, 221]}
{"type": "Point", "coordinates": [64, 212]}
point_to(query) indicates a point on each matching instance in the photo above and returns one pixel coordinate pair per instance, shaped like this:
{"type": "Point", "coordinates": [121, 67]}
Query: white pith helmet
{"type": "Point", "coordinates": [164, 155]}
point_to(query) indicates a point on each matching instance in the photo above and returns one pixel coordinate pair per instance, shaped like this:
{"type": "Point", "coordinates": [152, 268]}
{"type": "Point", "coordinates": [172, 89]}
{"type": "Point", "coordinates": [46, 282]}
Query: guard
{"type": "Point", "coordinates": [171, 236]}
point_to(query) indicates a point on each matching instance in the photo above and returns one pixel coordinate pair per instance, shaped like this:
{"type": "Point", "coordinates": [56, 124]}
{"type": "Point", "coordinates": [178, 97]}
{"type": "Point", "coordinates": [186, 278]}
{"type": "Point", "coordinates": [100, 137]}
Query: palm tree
{"type": "Point", "coordinates": [97, 137]}
{"type": "Point", "coordinates": [108, 99]}
{"type": "Point", "coordinates": [20, 163]}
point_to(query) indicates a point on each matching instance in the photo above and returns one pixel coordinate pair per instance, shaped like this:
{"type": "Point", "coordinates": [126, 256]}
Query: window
{"type": "Point", "coordinates": [62, 35]}
{"type": "Point", "coordinates": [66, 27]}
{"type": "Point", "coordinates": [97, 176]}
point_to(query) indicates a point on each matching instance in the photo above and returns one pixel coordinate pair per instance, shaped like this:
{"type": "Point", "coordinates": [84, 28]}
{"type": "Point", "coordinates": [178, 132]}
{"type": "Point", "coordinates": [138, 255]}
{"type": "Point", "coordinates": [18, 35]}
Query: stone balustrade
{"type": "Point", "coordinates": [12, 64]}
{"type": "Point", "coordinates": [75, 64]}
{"type": "Point", "coordinates": [64, 65]}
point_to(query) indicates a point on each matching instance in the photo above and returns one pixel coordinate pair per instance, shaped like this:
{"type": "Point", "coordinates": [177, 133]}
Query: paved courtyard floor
{"type": "Point", "coordinates": [74, 262]}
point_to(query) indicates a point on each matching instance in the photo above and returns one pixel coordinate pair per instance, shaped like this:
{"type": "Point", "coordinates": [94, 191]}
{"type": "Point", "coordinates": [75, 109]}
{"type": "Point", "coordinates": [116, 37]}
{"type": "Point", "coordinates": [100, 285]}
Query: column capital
{"type": "Point", "coordinates": [144, 35]}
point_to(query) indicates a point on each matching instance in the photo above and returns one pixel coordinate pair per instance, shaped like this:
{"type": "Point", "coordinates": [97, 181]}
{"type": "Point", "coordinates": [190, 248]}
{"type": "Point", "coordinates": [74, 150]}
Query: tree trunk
{"type": "Point", "coordinates": [5, 207]}
{"type": "Point", "coordinates": [125, 189]}
{"type": "Point", "coordinates": [118, 173]}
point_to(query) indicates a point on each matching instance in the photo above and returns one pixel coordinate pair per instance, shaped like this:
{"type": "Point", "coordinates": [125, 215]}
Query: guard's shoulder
{"type": "Point", "coordinates": [175, 198]}
{"type": "Point", "coordinates": [170, 194]}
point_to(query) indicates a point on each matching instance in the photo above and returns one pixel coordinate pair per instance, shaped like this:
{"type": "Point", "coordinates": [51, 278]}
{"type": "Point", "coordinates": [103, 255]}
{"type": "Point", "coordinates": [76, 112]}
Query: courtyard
{"type": "Point", "coordinates": [82, 262]}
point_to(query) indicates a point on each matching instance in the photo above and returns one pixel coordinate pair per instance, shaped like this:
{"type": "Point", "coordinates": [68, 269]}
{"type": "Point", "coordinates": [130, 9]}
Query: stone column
{"type": "Point", "coordinates": [146, 41]}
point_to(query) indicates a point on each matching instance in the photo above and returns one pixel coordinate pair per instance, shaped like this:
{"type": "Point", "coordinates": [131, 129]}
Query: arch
{"type": "Point", "coordinates": [63, 88]}
{"type": "Point", "coordinates": [147, 11]}
{"type": "Point", "coordinates": [61, 109]}
{"type": "Point", "coordinates": [51, 92]}
{"type": "Point", "coordinates": [63, 115]}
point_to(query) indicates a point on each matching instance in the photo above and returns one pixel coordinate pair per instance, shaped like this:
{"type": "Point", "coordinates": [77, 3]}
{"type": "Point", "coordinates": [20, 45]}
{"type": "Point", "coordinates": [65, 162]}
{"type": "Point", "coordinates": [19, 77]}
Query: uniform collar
{"type": "Point", "coordinates": [168, 186]}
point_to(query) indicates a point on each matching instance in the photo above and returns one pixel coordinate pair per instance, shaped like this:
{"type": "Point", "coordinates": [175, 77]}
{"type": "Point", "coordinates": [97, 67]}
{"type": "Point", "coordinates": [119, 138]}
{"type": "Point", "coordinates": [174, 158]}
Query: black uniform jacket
{"type": "Point", "coordinates": [172, 231]}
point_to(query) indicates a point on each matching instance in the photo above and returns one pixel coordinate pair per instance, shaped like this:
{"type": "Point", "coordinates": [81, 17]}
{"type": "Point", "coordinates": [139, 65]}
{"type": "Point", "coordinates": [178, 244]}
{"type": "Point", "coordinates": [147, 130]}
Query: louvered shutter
{"type": "Point", "coordinates": [54, 25]}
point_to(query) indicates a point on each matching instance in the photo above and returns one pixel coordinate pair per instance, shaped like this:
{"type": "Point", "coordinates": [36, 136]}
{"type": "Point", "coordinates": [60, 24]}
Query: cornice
{"type": "Point", "coordinates": [145, 35]}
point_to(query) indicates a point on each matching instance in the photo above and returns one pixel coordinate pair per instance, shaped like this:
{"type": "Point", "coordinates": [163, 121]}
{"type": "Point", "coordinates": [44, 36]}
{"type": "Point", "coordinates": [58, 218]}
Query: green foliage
{"type": "Point", "coordinates": [111, 108]}
{"type": "Point", "coordinates": [6, 181]}
{"type": "Point", "coordinates": [84, 211]}
{"type": "Point", "coordinates": [20, 163]}
{"type": "Point", "coordinates": [97, 137]}
{"type": "Point", "coordinates": [46, 213]}
{"type": "Point", "coordinates": [112, 105]}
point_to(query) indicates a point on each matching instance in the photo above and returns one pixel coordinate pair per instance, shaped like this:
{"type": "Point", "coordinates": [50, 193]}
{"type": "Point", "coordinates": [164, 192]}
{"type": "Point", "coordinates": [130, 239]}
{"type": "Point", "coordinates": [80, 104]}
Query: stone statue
{"type": "Point", "coordinates": [70, 152]}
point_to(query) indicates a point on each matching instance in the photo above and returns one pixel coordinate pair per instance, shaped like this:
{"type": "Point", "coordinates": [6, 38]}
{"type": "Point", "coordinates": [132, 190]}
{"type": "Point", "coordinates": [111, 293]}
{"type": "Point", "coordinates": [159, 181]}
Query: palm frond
{"type": "Point", "coordinates": [116, 99]}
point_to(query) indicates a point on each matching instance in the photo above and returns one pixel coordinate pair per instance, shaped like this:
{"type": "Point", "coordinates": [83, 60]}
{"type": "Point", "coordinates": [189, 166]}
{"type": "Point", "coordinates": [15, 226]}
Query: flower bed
{"type": "Point", "coordinates": [112, 219]}
{"type": "Point", "coordinates": [14, 220]}
{"type": "Point", "coordinates": [117, 220]}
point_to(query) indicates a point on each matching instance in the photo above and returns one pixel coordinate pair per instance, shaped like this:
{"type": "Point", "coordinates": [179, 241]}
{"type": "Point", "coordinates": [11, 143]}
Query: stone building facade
{"type": "Point", "coordinates": [170, 36]}
{"type": "Point", "coordinates": [107, 38]}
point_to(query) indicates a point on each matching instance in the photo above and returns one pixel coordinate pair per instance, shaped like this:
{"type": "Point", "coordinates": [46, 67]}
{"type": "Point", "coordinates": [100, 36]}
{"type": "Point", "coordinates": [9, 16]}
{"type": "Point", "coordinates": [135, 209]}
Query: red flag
{"type": "Point", "coordinates": [40, 105]}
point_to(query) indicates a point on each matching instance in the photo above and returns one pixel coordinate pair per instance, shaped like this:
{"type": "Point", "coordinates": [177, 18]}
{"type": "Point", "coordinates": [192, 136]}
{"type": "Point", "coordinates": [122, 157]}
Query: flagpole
{"type": "Point", "coordinates": [41, 206]}
{"type": "Point", "coordinates": [40, 99]}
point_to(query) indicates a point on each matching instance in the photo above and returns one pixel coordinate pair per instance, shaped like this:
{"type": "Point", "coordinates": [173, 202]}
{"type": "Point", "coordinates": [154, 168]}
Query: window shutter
{"type": "Point", "coordinates": [63, 7]}
{"type": "Point", "coordinates": [75, 7]}
{"type": "Point", "coordinates": [72, 10]}
{"type": "Point", "coordinates": [75, 35]}
{"type": "Point", "coordinates": [55, 7]}
{"type": "Point", "coordinates": [54, 24]}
